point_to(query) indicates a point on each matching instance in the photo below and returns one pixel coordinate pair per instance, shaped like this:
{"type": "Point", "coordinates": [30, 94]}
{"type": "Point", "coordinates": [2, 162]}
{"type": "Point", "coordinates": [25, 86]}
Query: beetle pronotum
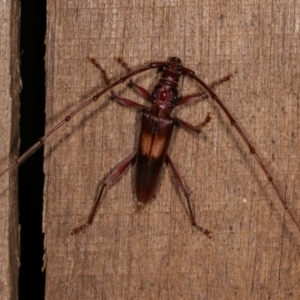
{"type": "Point", "coordinates": [156, 131]}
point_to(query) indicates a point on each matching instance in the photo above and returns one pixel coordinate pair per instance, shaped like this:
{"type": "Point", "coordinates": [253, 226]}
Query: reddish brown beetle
{"type": "Point", "coordinates": [156, 132]}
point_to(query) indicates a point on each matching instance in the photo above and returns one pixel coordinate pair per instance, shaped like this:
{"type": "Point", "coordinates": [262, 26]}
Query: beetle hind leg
{"type": "Point", "coordinates": [181, 185]}
{"type": "Point", "coordinates": [114, 175]}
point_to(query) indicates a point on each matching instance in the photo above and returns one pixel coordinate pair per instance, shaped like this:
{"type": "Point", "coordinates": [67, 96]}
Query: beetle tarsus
{"type": "Point", "coordinates": [139, 207]}
{"type": "Point", "coordinates": [78, 229]}
{"type": "Point", "coordinates": [206, 121]}
{"type": "Point", "coordinates": [203, 230]}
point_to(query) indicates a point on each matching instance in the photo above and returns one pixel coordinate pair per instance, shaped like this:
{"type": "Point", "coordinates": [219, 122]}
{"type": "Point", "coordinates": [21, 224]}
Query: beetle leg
{"type": "Point", "coordinates": [220, 81]}
{"type": "Point", "coordinates": [190, 98]}
{"type": "Point", "coordinates": [123, 101]}
{"type": "Point", "coordinates": [98, 66]}
{"type": "Point", "coordinates": [123, 63]}
{"type": "Point", "coordinates": [128, 102]}
{"type": "Point", "coordinates": [181, 185]}
{"type": "Point", "coordinates": [140, 90]}
{"type": "Point", "coordinates": [115, 174]}
{"type": "Point", "coordinates": [189, 127]}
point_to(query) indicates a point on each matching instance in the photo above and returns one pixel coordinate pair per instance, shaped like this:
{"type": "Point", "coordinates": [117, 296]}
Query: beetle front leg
{"type": "Point", "coordinates": [140, 90]}
{"type": "Point", "coordinates": [181, 185]}
{"type": "Point", "coordinates": [98, 66]}
{"type": "Point", "coordinates": [190, 98]}
{"type": "Point", "coordinates": [124, 101]}
{"type": "Point", "coordinates": [127, 102]}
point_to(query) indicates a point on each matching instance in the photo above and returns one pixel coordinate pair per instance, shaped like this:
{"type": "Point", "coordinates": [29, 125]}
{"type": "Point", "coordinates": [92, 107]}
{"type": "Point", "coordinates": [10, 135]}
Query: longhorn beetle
{"type": "Point", "coordinates": [156, 131]}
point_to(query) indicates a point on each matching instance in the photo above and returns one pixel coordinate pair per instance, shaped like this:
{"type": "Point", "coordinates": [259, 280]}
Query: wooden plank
{"type": "Point", "coordinates": [9, 116]}
{"type": "Point", "coordinates": [156, 254]}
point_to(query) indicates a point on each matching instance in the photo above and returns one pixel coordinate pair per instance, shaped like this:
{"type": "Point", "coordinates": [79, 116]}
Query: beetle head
{"type": "Point", "coordinates": [171, 70]}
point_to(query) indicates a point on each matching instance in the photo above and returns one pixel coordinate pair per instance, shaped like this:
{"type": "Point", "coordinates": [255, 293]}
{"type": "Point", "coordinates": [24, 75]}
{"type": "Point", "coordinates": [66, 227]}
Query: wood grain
{"type": "Point", "coordinates": [9, 117]}
{"type": "Point", "coordinates": [156, 254]}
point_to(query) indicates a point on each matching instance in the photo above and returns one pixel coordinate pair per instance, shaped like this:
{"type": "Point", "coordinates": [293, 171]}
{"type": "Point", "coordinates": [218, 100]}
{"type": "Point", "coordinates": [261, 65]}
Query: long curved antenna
{"type": "Point", "coordinates": [242, 134]}
{"type": "Point", "coordinates": [41, 140]}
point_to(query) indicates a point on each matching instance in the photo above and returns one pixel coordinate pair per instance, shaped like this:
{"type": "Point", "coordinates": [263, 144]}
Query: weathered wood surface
{"type": "Point", "coordinates": [9, 116]}
{"type": "Point", "coordinates": [156, 254]}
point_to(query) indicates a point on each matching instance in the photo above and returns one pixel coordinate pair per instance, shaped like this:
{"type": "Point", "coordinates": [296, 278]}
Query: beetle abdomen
{"type": "Point", "coordinates": [154, 141]}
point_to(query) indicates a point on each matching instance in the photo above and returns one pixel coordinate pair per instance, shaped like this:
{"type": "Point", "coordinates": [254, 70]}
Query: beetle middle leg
{"type": "Point", "coordinates": [181, 185]}
{"type": "Point", "coordinates": [190, 98]}
{"type": "Point", "coordinates": [189, 127]}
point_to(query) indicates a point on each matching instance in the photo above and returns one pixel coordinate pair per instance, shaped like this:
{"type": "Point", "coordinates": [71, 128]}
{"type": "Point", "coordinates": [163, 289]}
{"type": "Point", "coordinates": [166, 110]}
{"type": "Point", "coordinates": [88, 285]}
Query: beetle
{"type": "Point", "coordinates": [156, 131]}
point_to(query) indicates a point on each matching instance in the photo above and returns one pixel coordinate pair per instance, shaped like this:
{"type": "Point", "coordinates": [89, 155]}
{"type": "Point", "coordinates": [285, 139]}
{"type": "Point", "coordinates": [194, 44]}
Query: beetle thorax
{"type": "Point", "coordinates": [164, 98]}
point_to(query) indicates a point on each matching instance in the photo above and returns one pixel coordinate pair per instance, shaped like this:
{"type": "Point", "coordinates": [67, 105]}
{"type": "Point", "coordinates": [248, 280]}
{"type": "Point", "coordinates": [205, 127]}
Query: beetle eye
{"type": "Point", "coordinates": [160, 69]}
{"type": "Point", "coordinates": [175, 59]}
